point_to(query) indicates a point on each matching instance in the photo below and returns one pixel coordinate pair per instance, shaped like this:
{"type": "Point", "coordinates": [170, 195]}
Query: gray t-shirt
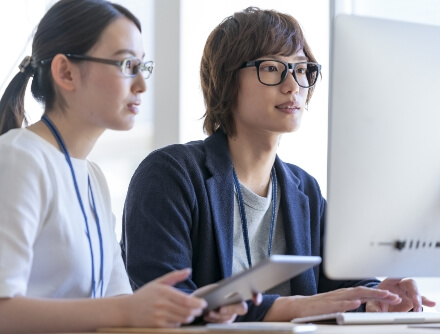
{"type": "Point", "coordinates": [258, 214]}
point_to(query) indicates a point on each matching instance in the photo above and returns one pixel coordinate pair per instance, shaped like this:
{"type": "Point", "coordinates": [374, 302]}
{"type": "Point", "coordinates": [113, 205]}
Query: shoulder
{"type": "Point", "coordinates": [189, 151]}
{"type": "Point", "coordinates": [175, 156]}
{"type": "Point", "coordinates": [211, 153]}
{"type": "Point", "coordinates": [27, 184]}
{"type": "Point", "coordinates": [23, 148]}
{"type": "Point", "coordinates": [17, 139]}
{"type": "Point", "coordinates": [172, 169]}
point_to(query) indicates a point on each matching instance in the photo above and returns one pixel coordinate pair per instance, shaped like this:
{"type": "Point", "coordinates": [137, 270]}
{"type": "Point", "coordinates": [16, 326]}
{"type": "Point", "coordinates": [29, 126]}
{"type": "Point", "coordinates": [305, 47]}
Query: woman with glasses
{"type": "Point", "coordinates": [60, 263]}
{"type": "Point", "coordinates": [226, 203]}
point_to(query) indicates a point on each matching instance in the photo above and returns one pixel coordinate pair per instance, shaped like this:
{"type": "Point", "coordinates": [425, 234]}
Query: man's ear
{"type": "Point", "coordinates": [63, 72]}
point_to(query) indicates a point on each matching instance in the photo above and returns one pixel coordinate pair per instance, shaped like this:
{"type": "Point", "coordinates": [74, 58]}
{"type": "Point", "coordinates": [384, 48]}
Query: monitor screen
{"type": "Point", "coordinates": [383, 214]}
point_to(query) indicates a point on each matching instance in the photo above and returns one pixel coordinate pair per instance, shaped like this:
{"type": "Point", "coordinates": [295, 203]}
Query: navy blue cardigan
{"type": "Point", "coordinates": [179, 214]}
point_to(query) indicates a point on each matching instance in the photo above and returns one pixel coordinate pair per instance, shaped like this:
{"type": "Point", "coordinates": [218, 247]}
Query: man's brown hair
{"type": "Point", "coordinates": [244, 36]}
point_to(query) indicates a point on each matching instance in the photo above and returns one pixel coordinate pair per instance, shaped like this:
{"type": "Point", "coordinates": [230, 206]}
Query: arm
{"type": "Point", "coordinates": [258, 313]}
{"type": "Point", "coordinates": [341, 300]}
{"type": "Point", "coordinates": [23, 315]}
{"type": "Point", "coordinates": [157, 222]}
{"type": "Point", "coordinates": [155, 305]}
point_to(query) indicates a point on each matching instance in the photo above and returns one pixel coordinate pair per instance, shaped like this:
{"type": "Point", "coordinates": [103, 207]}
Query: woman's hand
{"type": "Point", "coordinates": [408, 292]}
{"type": "Point", "coordinates": [159, 304]}
{"type": "Point", "coordinates": [341, 300]}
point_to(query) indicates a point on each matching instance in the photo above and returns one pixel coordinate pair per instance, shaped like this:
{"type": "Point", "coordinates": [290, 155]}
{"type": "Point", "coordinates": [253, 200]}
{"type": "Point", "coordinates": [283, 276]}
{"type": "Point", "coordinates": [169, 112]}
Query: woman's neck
{"type": "Point", "coordinates": [253, 158]}
{"type": "Point", "coordinates": [79, 139]}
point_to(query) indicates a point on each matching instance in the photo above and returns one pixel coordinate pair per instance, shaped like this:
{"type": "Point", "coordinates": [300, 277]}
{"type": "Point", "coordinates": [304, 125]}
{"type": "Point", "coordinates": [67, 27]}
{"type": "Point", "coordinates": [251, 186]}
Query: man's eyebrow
{"type": "Point", "coordinates": [297, 58]}
{"type": "Point", "coordinates": [302, 58]}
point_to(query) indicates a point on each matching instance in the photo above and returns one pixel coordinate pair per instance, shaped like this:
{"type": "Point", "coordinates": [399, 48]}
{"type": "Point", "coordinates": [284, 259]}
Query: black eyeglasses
{"type": "Point", "coordinates": [129, 67]}
{"type": "Point", "coordinates": [273, 72]}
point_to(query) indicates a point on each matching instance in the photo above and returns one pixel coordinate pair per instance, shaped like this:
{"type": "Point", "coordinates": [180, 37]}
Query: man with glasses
{"type": "Point", "coordinates": [224, 204]}
{"type": "Point", "coordinates": [272, 72]}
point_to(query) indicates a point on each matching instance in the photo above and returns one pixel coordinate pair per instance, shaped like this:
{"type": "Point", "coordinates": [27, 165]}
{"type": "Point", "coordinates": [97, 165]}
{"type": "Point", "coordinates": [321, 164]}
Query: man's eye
{"type": "Point", "coordinates": [301, 70]}
{"type": "Point", "coordinates": [269, 68]}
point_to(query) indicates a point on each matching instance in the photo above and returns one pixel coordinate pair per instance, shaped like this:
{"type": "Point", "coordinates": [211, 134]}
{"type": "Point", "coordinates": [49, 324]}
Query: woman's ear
{"type": "Point", "coordinates": [63, 72]}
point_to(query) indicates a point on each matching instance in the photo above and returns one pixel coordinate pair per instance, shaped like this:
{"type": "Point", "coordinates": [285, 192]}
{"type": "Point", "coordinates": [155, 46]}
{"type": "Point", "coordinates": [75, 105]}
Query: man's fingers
{"type": "Point", "coordinates": [428, 302]}
{"type": "Point", "coordinates": [366, 294]}
{"type": "Point", "coordinates": [238, 308]}
{"type": "Point", "coordinates": [257, 298]}
{"type": "Point", "coordinates": [226, 313]}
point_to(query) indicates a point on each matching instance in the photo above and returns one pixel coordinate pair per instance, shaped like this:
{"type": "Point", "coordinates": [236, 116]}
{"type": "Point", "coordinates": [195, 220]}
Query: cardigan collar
{"type": "Point", "coordinates": [218, 158]}
{"type": "Point", "coordinates": [220, 187]}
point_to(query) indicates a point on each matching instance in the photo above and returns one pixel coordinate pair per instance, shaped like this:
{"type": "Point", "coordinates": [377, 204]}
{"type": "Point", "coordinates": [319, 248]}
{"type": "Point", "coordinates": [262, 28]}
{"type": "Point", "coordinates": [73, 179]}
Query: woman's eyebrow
{"type": "Point", "coordinates": [124, 52]}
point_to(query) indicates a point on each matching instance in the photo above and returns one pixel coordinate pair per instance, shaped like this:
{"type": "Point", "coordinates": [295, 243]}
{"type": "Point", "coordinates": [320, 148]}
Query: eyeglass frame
{"type": "Point", "coordinates": [144, 67]}
{"type": "Point", "coordinates": [289, 66]}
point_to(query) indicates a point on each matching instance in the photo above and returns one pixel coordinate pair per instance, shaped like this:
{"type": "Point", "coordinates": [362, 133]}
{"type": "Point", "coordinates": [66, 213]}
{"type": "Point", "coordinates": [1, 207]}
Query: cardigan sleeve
{"type": "Point", "coordinates": [157, 221]}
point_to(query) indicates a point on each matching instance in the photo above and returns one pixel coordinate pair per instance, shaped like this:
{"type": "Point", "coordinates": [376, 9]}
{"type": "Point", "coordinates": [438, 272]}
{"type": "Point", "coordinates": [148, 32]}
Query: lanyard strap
{"type": "Point", "coordinates": [242, 211]}
{"type": "Point", "coordinates": [63, 147]}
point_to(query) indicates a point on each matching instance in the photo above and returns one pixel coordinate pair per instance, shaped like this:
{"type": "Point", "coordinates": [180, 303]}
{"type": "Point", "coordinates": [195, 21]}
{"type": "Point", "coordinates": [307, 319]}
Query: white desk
{"type": "Point", "coordinates": [373, 329]}
{"type": "Point", "coordinates": [322, 329]}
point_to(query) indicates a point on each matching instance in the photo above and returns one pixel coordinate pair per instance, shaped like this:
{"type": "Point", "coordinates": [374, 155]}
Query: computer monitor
{"type": "Point", "coordinates": [383, 214]}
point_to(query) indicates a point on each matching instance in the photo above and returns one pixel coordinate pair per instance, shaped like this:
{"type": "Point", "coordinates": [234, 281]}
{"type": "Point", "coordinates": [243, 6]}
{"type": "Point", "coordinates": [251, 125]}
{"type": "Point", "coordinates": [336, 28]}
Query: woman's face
{"type": "Point", "coordinates": [269, 109]}
{"type": "Point", "coordinates": [107, 98]}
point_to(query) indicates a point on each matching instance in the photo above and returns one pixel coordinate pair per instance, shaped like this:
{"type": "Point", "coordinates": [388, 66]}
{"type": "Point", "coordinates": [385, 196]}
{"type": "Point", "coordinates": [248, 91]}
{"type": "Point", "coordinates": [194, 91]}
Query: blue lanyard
{"type": "Point", "coordinates": [242, 211]}
{"type": "Point", "coordinates": [63, 147]}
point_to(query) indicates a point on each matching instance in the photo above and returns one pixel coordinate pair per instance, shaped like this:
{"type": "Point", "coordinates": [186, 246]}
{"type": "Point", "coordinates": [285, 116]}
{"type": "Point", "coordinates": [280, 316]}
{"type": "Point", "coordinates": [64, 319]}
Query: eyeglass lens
{"type": "Point", "coordinates": [131, 66]}
{"type": "Point", "coordinates": [273, 73]}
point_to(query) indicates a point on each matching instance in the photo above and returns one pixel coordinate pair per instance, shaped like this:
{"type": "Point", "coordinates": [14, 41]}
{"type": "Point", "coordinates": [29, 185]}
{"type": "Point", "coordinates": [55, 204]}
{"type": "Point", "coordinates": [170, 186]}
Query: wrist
{"type": "Point", "coordinates": [285, 309]}
{"type": "Point", "coordinates": [279, 311]}
{"type": "Point", "coordinates": [119, 313]}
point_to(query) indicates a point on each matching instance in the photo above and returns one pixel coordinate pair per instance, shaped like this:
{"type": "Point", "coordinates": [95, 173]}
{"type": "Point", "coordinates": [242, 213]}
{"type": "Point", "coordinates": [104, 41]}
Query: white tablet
{"type": "Point", "coordinates": [263, 276]}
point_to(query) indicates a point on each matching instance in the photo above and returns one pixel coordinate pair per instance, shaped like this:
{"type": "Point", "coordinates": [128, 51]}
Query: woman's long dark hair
{"type": "Point", "coordinates": [70, 26]}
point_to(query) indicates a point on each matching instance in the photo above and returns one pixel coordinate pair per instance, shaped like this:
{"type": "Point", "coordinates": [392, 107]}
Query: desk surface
{"type": "Point", "coordinates": [321, 329]}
